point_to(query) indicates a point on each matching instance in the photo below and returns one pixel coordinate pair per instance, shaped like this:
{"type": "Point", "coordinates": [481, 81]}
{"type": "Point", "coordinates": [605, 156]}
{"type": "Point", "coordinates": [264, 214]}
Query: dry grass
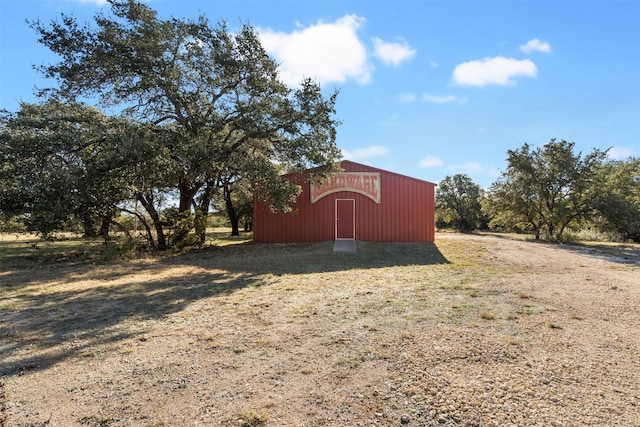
{"type": "Point", "coordinates": [244, 334]}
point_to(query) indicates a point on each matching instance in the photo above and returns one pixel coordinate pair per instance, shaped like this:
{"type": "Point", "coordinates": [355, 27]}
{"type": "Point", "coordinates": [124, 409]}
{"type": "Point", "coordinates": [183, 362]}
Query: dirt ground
{"type": "Point", "coordinates": [472, 331]}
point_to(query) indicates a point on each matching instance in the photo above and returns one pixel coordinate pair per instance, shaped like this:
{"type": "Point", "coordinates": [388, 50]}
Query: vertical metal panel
{"type": "Point", "coordinates": [406, 213]}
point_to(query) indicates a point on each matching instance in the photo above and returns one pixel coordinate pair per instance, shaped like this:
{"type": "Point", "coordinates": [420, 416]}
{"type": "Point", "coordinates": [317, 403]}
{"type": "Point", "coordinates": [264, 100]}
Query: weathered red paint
{"type": "Point", "coordinates": [366, 183]}
{"type": "Point", "coordinates": [405, 212]}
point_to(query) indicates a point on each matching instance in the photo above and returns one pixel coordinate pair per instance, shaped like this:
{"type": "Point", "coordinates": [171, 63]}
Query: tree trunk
{"type": "Point", "coordinates": [88, 225]}
{"type": "Point", "coordinates": [248, 223]}
{"type": "Point", "coordinates": [231, 212]}
{"type": "Point", "coordinates": [144, 223]}
{"type": "Point", "coordinates": [186, 197]}
{"type": "Point", "coordinates": [121, 227]}
{"type": "Point", "coordinates": [105, 222]}
{"type": "Point", "coordinates": [202, 212]}
{"type": "Point", "coordinates": [536, 227]}
{"type": "Point", "coordinates": [147, 203]}
{"type": "Point", "coordinates": [187, 193]}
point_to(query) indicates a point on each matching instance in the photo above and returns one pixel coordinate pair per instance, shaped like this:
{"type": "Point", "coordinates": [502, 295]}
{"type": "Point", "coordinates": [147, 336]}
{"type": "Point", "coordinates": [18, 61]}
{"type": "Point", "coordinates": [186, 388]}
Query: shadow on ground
{"type": "Point", "coordinates": [315, 257]}
{"type": "Point", "coordinates": [40, 328]}
{"type": "Point", "coordinates": [621, 254]}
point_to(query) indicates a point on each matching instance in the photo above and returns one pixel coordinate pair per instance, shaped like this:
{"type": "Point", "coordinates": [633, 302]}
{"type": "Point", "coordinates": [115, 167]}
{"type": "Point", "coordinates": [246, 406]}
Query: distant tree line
{"type": "Point", "coordinates": [547, 191]}
{"type": "Point", "coordinates": [184, 110]}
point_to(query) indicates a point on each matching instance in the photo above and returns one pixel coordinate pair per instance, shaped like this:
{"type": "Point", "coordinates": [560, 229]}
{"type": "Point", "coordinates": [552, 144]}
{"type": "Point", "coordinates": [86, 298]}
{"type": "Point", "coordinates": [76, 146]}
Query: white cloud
{"type": "Point", "coordinates": [392, 120]}
{"type": "Point", "coordinates": [443, 99]}
{"type": "Point", "coordinates": [430, 162]}
{"type": "Point", "coordinates": [96, 2]}
{"type": "Point", "coordinates": [479, 173]}
{"type": "Point", "coordinates": [365, 153]}
{"type": "Point", "coordinates": [438, 99]}
{"type": "Point", "coordinates": [620, 153]}
{"type": "Point", "coordinates": [535, 45]}
{"type": "Point", "coordinates": [498, 71]}
{"type": "Point", "coordinates": [468, 168]}
{"type": "Point", "coordinates": [406, 97]}
{"type": "Point", "coordinates": [392, 53]}
{"type": "Point", "coordinates": [326, 52]}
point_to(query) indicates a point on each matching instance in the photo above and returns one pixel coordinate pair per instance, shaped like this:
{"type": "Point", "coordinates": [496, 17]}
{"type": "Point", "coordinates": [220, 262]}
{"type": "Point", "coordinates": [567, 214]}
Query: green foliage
{"type": "Point", "coordinates": [545, 190]}
{"type": "Point", "coordinates": [236, 200]}
{"type": "Point", "coordinates": [53, 168]}
{"type": "Point", "coordinates": [458, 203]}
{"type": "Point", "coordinates": [201, 107]}
{"type": "Point", "coordinates": [618, 203]}
{"type": "Point", "coordinates": [11, 224]}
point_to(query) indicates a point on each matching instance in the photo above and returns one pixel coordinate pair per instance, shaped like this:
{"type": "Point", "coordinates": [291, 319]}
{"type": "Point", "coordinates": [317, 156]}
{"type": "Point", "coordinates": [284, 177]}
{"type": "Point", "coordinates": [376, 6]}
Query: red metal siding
{"type": "Point", "coordinates": [406, 213]}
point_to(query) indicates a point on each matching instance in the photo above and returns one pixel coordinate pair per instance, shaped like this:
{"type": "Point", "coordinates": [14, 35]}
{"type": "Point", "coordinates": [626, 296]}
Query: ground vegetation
{"type": "Point", "coordinates": [475, 330]}
{"type": "Point", "coordinates": [203, 104]}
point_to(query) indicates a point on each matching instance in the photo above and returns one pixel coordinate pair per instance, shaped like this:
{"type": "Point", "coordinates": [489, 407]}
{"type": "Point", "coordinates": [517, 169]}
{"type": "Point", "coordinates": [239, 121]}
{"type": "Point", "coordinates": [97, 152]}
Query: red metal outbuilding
{"type": "Point", "coordinates": [361, 203]}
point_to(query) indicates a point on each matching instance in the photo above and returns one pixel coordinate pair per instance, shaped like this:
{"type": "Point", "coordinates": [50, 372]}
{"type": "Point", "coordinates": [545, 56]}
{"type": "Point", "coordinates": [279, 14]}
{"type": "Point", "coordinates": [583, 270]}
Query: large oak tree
{"type": "Point", "coordinates": [618, 203]}
{"type": "Point", "coordinates": [55, 170]}
{"type": "Point", "coordinates": [208, 95]}
{"type": "Point", "coordinates": [458, 203]}
{"type": "Point", "coordinates": [546, 189]}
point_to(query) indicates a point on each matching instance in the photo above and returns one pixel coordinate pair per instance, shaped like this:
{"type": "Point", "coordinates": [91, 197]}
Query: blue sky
{"type": "Point", "coordinates": [427, 88]}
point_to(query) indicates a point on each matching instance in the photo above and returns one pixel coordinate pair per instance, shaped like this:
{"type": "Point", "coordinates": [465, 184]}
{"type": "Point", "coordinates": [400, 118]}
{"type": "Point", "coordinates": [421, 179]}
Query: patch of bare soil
{"type": "Point", "coordinates": [3, 405]}
{"type": "Point", "coordinates": [471, 331]}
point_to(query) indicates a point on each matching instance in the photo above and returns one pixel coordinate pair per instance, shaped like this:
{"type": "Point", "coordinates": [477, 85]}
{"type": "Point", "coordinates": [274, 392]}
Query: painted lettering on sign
{"type": "Point", "coordinates": [365, 183]}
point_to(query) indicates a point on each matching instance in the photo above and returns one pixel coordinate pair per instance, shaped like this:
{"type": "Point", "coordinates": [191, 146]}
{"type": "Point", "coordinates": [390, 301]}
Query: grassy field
{"type": "Point", "coordinates": [69, 247]}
